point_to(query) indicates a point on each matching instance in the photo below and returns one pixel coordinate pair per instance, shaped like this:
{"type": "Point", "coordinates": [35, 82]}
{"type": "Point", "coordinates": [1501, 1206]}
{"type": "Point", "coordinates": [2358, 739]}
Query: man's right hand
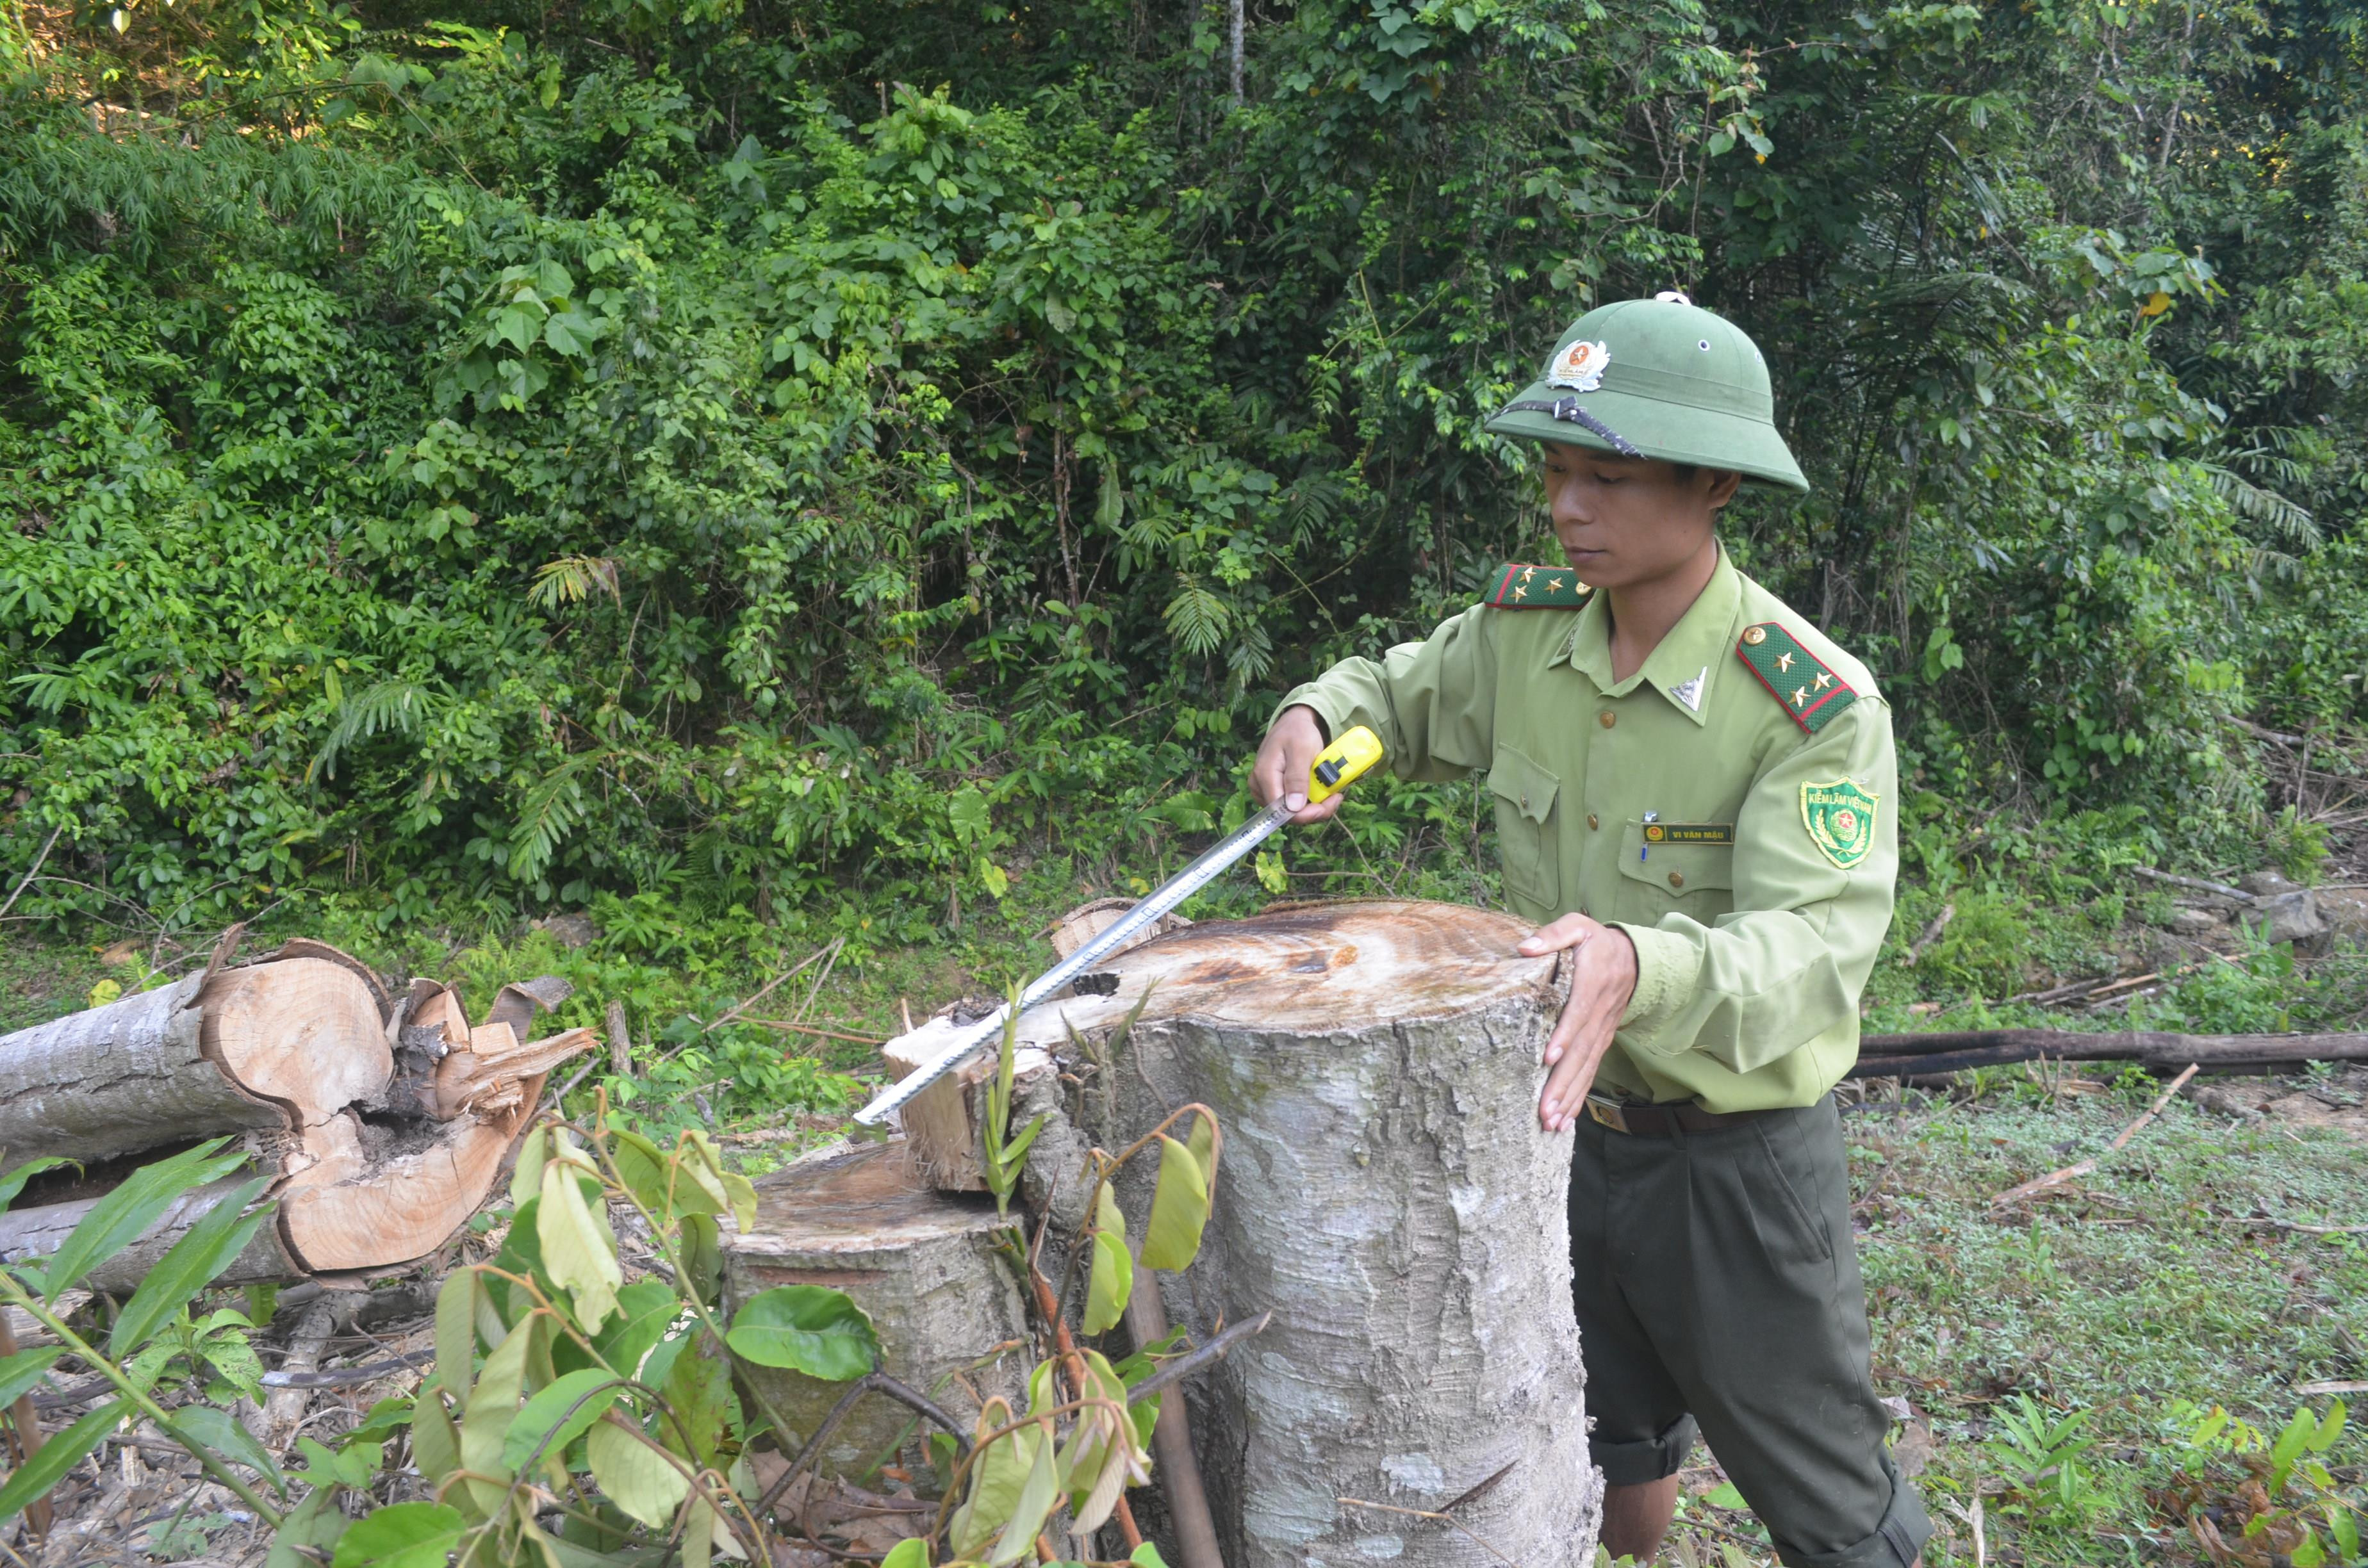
{"type": "Point", "coordinates": [1283, 760]}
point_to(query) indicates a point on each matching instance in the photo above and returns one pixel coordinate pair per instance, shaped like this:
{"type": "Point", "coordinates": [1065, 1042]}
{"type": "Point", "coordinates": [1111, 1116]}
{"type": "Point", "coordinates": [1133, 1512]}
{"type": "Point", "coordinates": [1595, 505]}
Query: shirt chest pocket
{"type": "Point", "coordinates": [1669, 872]}
{"type": "Point", "coordinates": [1525, 835]}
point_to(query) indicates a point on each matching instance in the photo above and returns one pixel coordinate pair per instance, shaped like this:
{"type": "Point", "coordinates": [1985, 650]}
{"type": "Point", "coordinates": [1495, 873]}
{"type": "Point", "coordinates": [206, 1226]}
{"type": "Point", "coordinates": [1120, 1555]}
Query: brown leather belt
{"type": "Point", "coordinates": [1663, 1120]}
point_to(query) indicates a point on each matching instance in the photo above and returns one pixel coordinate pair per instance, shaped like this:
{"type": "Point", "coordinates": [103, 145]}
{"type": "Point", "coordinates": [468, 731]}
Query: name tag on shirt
{"type": "Point", "coordinates": [1690, 832]}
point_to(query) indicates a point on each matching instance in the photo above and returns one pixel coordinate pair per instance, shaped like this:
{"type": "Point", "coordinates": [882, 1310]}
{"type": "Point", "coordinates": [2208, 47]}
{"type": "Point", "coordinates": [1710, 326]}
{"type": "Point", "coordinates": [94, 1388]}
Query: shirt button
{"type": "Point", "coordinates": [1607, 717]}
{"type": "Point", "coordinates": [1525, 803]}
{"type": "Point", "coordinates": [1591, 823]}
{"type": "Point", "coordinates": [1676, 878]}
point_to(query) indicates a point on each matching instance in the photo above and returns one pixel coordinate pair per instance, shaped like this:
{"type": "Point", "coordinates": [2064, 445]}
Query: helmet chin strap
{"type": "Point", "coordinates": [1566, 409]}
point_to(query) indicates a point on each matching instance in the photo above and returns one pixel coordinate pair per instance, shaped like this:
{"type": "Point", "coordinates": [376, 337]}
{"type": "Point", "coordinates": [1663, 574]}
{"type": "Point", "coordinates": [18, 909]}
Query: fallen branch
{"type": "Point", "coordinates": [2196, 883]}
{"type": "Point", "coordinates": [2082, 1168]}
{"type": "Point", "coordinates": [27, 882]}
{"type": "Point", "coordinates": [790, 1027]}
{"type": "Point", "coordinates": [1184, 1366]}
{"type": "Point", "coordinates": [344, 1376]}
{"type": "Point", "coordinates": [1435, 1515]}
{"type": "Point", "coordinates": [1932, 932]}
{"type": "Point", "coordinates": [2294, 1225]}
{"type": "Point", "coordinates": [1944, 1051]}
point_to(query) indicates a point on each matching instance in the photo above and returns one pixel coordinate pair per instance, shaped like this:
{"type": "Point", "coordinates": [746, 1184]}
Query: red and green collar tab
{"type": "Point", "coordinates": [1538, 587]}
{"type": "Point", "coordinates": [1801, 684]}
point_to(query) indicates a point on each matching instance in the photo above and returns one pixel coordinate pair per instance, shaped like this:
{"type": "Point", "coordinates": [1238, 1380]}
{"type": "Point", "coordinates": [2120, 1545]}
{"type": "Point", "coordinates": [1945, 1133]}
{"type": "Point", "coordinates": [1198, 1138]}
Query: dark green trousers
{"type": "Point", "coordinates": [1717, 1287]}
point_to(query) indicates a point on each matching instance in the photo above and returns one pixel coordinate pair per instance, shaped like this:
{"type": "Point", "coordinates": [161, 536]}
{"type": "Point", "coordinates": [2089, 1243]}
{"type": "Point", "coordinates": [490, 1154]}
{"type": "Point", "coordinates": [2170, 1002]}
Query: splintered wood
{"type": "Point", "coordinates": [382, 1121]}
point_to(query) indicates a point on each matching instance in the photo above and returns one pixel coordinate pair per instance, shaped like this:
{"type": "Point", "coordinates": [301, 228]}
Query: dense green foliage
{"type": "Point", "coordinates": [810, 454]}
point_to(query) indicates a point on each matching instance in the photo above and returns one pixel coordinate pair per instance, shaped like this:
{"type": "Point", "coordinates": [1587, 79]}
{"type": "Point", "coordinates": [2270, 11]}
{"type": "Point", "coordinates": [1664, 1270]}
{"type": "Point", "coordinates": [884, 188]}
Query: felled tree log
{"type": "Point", "coordinates": [1918, 1055]}
{"type": "Point", "coordinates": [158, 1067]}
{"type": "Point", "coordinates": [922, 1263]}
{"type": "Point", "coordinates": [381, 1123]}
{"type": "Point", "coordinates": [1386, 1190]}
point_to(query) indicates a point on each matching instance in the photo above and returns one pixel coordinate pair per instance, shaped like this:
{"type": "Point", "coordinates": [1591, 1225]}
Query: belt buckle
{"type": "Point", "coordinates": [1607, 1112]}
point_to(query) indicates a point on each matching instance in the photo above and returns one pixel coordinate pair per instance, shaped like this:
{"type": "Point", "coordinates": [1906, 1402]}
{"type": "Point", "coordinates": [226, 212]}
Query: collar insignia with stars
{"type": "Point", "coordinates": [1808, 690]}
{"type": "Point", "coordinates": [1538, 587]}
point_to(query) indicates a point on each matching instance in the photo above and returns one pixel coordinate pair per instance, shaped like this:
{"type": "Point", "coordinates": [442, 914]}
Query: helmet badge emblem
{"type": "Point", "coordinates": [1579, 367]}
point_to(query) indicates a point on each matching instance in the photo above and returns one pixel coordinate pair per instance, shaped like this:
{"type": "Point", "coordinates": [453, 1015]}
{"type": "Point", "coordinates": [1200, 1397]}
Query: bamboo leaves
{"type": "Point", "coordinates": [124, 1215]}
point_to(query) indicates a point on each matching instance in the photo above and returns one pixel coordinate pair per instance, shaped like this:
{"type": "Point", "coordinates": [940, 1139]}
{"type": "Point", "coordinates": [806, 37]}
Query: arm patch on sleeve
{"type": "Point", "coordinates": [1802, 685]}
{"type": "Point", "coordinates": [1539, 587]}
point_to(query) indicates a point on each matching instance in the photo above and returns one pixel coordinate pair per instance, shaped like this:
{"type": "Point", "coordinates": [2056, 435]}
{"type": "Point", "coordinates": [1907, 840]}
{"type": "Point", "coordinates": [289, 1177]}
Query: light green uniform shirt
{"type": "Point", "coordinates": [1751, 953]}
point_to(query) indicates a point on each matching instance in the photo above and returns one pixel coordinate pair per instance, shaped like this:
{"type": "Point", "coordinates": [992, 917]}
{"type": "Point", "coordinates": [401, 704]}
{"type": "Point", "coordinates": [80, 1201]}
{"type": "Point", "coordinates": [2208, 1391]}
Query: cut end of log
{"type": "Point", "coordinates": [292, 1052]}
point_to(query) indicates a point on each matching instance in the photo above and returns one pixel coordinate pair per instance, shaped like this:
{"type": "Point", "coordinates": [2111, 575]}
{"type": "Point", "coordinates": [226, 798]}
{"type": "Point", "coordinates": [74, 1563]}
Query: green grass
{"type": "Point", "coordinates": [2122, 1300]}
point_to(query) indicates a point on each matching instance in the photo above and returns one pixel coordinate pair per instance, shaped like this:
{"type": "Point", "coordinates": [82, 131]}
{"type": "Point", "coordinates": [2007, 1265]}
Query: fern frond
{"type": "Point", "coordinates": [548, 812]}
{"type": "Point", "coordinates": [1197, 619]}
{"type": "Point", "coordinates": [572, 579]}
{"type": "Point", "coordinates": [2255, 503]}
{"type": "Point", "coordinates": [399, 706]}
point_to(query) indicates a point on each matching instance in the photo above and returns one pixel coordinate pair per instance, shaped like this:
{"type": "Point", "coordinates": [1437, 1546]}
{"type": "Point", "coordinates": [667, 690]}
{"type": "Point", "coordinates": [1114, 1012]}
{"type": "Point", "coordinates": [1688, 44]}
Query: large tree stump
{"type": "Point", "coordinates": [1385, 1189]}
{"type": "Point", "coordinates": [920, 1262]}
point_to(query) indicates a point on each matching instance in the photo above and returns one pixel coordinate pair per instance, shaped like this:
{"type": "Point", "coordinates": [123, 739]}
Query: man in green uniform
{"type": "Point", "coordinates": [1696, 798]}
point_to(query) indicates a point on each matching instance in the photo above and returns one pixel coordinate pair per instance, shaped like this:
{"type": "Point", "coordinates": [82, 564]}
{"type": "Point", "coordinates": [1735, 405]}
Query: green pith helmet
{"type": "Point", "coordinates": [1659, 377]}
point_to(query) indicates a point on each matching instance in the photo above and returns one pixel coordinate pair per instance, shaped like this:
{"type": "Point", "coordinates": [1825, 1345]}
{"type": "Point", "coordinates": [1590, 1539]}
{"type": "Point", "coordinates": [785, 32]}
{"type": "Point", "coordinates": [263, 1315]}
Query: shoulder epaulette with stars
{"type": "Point", "coordinates": [1538, 587]}
{"type": "Point", "coordinates": [1811, 693]}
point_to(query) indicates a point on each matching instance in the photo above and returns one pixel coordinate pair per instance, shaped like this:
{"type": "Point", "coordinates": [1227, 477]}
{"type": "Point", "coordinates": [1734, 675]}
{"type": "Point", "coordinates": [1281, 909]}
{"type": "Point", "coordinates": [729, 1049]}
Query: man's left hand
{"type": "Point", "coordinates": [1603, 977]}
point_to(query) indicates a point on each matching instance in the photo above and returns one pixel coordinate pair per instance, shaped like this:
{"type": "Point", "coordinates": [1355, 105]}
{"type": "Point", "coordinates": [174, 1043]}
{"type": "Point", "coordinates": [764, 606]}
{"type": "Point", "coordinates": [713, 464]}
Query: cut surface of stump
{"type": "Point", "coordinates": [920, 1262]}
{"type": "Point", "coordinates": [1384, 1188]}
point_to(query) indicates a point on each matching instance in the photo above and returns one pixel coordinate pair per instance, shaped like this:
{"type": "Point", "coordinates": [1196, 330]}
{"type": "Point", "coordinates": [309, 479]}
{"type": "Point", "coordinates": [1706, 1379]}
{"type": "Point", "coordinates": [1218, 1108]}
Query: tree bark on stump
{"type": "Point", "coordinates": [922, 1263]}
{"type": "Point", "coordinates": [1384, 1188]}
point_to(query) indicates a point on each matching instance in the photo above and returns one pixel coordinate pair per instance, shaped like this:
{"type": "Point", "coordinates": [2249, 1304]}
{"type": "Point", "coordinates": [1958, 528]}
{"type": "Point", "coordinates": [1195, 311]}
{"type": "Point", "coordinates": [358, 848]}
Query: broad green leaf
{"type": "Point", "coordinates": [742, 1195]}
{"type": "Point", "coordinates": [435, 1443]}
{"type": "Point", "coordinates": [492, 1407]}
{"type": "Point", "coordinates": [558, 1414]}
{"type": "Point", "coordinates": [699, 1390]}
{"type": "Point", "coordinates": [205, 1251]}
{"type": "Point", "coordinates": [21, 1371]}
{"type": "Point", "coordinates": [14, 1182]}
{"type": "Point", "coordinates": [1037, 1497]}
{"type": "Point", "coordinates": [1147, 1556]}
{"type": "Point", "coordinates": [996, 1479]}
{"type": "Point", "coordinates": [698, 1179]}
{"type": "Point", "coordinates": [702, 1256]}
{"type": "Point", "coordinates": [124, 1215]}
{"type": "Point", "coordinates": [641, 1481]}
{"type": "Point", "coordinates": [217, 1430]}
{"type": "Point", "coordinates": [966, 812]}
{"type": "Point", "coordinates": [1119, 1464]}
{"type": "Point", "coordinates": [316, 1522]}
{"type": "Point", "coordinates": [1113, 1274]}
{"type": "Point", "coordinates": [807, 1328]}
{"type": "Point", "coordinates": [1203, 1141]}
{"type": "Point", "coordinates": [526, 1175]}
{"type": "Point", "coordinates": [456, 1333]}
{"type": "Point", "coordinates": [33, 1479]}
{"type": "Point", "coordinates": [1180, 1209]}
{"type": "Point", "coordinates": [403, 1535]}
{"type": "Point", "coordinates": [1725, 1495]}
{"type": "Point", "coordinates": [642, 1166]}
{"type": "Point", "coordinates": [576, 1249]}
{"type": "Point", "coordinates": [911, 1553]}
